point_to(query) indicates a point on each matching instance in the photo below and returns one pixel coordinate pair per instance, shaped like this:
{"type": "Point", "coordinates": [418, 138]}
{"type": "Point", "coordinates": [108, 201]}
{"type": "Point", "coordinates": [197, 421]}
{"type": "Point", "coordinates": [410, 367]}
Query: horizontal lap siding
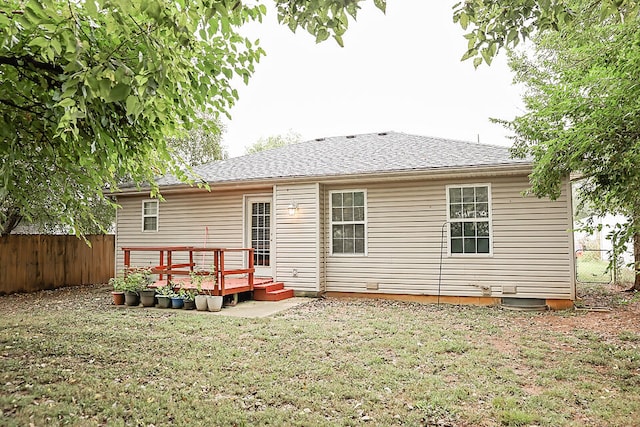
{"type": "Point", "coordinates": [182, 221]}
{"type": "Point", "coordinates": [531, 244]}
{"type": "Point", "coordinates": [297, 237]}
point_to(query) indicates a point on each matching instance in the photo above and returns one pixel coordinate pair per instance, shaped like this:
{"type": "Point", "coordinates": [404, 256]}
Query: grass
{"type": "Point", "coordinates": [590, 270]}
{"type": "Point", "coordinates": [70, 358]}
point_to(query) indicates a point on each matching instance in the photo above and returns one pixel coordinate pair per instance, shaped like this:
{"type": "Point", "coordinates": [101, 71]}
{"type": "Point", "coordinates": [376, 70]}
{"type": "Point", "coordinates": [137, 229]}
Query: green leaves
{"type": "Point", "coordinates": [583, 114]}
{"type": "Point", "coordinates": [90, 91]}
{"type": "Point", "coordinates": [119, 92]}
{"type": "Point", "coordinates": [503, 24]}
{"type": "Point", "coordinates": [321, 18]}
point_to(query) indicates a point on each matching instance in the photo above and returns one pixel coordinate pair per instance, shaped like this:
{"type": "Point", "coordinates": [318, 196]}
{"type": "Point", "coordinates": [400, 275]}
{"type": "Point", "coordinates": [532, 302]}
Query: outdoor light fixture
{"type": "Point", "coordinates": [292, 208]}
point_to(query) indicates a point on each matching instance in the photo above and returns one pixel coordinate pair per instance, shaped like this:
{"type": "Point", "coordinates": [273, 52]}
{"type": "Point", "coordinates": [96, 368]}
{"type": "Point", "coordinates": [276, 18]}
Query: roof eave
{"type": "Point", "coordinates": [404, 174]}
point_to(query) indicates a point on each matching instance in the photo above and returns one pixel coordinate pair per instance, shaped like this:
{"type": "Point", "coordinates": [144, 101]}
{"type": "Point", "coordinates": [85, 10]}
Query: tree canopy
{"type": "Point", "coordinates": [494, 24]}
{"type": "Point", "coordinates": [202, 144]}
{"type": "Point", "coordinates": [274, 141]}
{"type": "Point", "coordinates": [583, 116]}
{"type": "Point", "coordinates": [90, 90]}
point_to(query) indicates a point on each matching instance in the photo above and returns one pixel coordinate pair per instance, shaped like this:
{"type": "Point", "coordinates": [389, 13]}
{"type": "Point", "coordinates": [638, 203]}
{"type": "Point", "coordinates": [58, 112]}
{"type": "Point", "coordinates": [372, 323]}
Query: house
{"type": "Point", "coordinates": [386, 214]}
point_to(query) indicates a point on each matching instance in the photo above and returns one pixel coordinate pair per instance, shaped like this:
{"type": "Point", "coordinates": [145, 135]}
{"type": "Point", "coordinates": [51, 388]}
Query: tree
{"type": "Point", "coordinates": [274, 141]}
{"type": "Point", "coordinates": [90, 90]}
{"type": "Point", "coordinates": [494, 23]}
{"type": "Point", "coordinates": [200, 146]}
{"type": "Point", "coordinates": [583, 116]}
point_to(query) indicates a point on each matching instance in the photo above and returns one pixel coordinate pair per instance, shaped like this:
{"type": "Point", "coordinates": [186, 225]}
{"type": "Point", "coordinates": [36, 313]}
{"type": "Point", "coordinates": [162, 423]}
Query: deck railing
{"type": "Point", "coordinates": [167, 268]}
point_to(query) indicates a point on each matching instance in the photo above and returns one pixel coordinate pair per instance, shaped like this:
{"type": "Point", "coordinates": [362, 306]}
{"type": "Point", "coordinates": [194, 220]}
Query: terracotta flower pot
{"type": "Point", "coordinates": [118, 297]}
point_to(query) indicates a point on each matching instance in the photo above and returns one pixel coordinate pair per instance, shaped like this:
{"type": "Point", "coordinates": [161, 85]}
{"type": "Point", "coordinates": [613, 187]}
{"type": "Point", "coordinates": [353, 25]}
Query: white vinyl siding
{"type": "Point", "coordinates": [469, 217]}
{"type": "Point", "coordinates": [531, 244]}
{"type": "Point", "coordinates": [348, 222]}
{"type": "Point", "coordinates": [188, 219]}
{"type": "Point", "coordinates": [150, 212]}
{"type": "Point", "coordinates": [297, 237]}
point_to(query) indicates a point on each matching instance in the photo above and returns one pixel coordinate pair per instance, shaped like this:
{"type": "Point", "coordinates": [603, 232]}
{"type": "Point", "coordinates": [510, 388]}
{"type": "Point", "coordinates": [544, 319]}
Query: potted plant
{"type": "Point", "coordinates": [118, 290]}
{"type": "Point", "coordinates": [134, 282]}
{"type": "Point", "coordinates": [200, 298]}
{"type": "Point", "coordinates": [214, 302]}
{"type": "Point", "coordinates": [164, 294]}
{"type": "Point", "coordinates": [176, 300]}
{"type": "Point", "coordinates": [188, 297]}
{"type": "Point", "coordinates": [147, 295]}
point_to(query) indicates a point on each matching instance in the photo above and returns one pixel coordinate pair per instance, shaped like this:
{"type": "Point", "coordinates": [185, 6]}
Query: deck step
{"type": "Point", "coordinates": [269, 287]}
{"type": "Point", "coordinates": [271, 292]}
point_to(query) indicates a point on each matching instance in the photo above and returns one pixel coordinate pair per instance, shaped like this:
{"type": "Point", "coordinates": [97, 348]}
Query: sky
{"type": "Point", "coordinates": [399, 71]}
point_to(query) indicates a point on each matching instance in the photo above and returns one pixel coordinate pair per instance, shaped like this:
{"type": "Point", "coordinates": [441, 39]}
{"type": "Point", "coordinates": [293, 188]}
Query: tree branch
{"type": "Point", "coordinates": [16, 62]}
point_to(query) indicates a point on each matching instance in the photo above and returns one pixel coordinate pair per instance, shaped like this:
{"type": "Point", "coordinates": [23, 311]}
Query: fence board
{"type": "Point", "coordinates": [30, 263]}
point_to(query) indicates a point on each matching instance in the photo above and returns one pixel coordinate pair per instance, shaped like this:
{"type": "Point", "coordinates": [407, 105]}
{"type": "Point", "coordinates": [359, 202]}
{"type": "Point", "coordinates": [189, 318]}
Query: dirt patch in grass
{"type": "Point", "coordinates": [70, 357]}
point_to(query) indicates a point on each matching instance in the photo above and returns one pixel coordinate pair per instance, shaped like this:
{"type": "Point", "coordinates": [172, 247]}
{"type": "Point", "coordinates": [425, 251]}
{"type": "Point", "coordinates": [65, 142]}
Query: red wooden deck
{"type": "Point", "coordinates": [221, 281]}
{"type": "Point", "coordinates": [232, 286]}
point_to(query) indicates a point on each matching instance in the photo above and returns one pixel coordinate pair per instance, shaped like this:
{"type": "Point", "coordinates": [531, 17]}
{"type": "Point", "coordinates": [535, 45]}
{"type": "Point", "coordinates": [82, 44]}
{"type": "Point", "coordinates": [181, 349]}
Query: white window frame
{"type": "Point", "coordinates": [489, 219]}
{"type": "Point", "coordinates": [156, 215]}
{"type": "Point", "coordinates": [365, 223]}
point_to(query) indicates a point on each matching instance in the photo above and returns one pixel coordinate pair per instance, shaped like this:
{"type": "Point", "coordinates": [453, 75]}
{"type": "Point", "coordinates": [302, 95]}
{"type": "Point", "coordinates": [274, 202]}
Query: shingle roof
{"type": "Point", "coordinates": [353, 155]}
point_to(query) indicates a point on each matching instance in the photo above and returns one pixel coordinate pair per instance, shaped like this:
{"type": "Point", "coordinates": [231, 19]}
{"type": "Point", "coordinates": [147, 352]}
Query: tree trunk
{"type": "Point", "coordinates": [636, 261]}
{"type": "Point", "coordinates": [11, 221]}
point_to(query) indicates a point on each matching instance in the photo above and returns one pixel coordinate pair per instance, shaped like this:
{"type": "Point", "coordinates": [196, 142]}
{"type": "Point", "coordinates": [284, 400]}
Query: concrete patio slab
{"type": "Point", "coordinates": [248, 309]}
{"type": "Point", "coordinates": [255, 309]}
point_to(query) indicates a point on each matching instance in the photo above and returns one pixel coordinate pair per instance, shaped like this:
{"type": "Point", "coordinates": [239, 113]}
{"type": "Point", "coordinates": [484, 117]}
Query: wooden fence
{"type": "Point", "coordinates": [30, 263]}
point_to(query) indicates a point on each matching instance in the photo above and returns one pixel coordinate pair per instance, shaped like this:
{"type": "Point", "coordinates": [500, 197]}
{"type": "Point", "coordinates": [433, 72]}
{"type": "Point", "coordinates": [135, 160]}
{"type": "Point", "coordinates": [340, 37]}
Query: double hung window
{"type": "Point", "coordinates": [150, 215]}
{"type": "Point", "coordinates": [348, 222]}
{"type": "Point", "coordinates": [469, 217]}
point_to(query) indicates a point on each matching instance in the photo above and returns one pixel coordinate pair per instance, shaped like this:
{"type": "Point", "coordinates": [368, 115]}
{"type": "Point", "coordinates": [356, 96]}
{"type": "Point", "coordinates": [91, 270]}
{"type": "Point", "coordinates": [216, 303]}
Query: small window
{"type": "Point", "coordinates": [348, 222]}
{"type": "Point", "coordinates": [150, 215]}
{"type": "Point", "coordinates": [469, 217]}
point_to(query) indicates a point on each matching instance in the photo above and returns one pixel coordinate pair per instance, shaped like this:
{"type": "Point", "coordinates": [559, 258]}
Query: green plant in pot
{"type": "Point", "coordinates": [118, 284]}
{"type": "Point", "coordinates": [144, 279]}
{"type": "Point", "coordinates": [200, 297]}
{"type": "Point", "coordinates": [189, 298]}
{"type": "Point", "coordinates": [164, 294]}
{"type": "Point", "coordinates": [134, 282]}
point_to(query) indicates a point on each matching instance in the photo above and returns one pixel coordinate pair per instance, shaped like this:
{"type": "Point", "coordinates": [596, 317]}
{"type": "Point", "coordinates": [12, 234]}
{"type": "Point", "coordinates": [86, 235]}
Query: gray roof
{"type": "Point", "coordinates": [370, 153]}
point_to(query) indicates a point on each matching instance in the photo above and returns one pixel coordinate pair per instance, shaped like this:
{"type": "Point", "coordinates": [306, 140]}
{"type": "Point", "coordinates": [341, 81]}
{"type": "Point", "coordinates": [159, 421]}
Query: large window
{"type": "Point", "coordinates": [469, 216]}
{"type": "Point", "coordinates": [348, 222]}
{"type": "Point", "coordinates": [150, 215]}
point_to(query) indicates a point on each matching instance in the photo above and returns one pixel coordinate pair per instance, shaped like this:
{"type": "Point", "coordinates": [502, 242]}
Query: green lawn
{"type": "Point", "coordinates": [592, 271]}
{"type": "Point", "coordinates": [70, 358]}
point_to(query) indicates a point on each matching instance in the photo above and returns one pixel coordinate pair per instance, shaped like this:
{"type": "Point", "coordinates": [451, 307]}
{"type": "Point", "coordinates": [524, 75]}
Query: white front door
{"type": "Point", "coordinates": [258, 234]}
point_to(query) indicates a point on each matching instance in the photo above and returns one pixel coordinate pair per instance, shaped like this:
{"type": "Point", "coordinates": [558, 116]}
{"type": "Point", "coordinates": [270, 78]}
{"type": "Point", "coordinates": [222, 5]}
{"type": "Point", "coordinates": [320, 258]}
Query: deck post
{"type": "Point", "coordinates": [191, 260]}
{"type": "Point", "coordinates": [221, 273]}
{"type": "Point", "coordinates": [251, 267]}
{"type": "Point", "coordinates": [161, 263]}
{"type": "Point", "coordinates": [216, 267]}
{"type": "Point", "coordinates": [168, 266]}
{"type": "Point", "coordinates": [127, 259]}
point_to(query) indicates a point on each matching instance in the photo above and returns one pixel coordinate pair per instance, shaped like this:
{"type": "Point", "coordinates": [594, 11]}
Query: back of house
{"type": "Point", "coordinates": [386, 214]}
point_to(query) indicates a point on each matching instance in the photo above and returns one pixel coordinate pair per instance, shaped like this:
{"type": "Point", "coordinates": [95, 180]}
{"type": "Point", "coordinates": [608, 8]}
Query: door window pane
{"type": "Point", "coordinates": [261, 233]}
